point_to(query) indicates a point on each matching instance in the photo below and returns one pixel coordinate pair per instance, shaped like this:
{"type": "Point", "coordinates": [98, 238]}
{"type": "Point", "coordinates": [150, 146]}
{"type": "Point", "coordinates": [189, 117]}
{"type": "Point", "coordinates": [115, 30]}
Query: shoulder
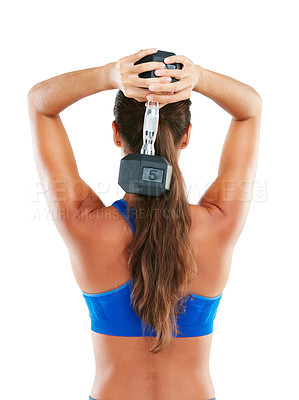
{"type": "Point", "coordinates": [104, 224]}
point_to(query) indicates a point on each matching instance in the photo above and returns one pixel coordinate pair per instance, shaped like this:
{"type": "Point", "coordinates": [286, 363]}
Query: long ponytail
{"type": "Point", "coordinates": [161, 261]}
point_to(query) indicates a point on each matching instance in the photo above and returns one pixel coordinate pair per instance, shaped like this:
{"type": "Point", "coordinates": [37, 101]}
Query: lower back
{"type": "Point", "coordinates": [179, 372]}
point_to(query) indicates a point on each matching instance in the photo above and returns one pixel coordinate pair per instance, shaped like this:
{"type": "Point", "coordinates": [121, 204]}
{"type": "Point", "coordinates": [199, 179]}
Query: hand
{"type": "Point", "coordinates": [124, 75]}
{"type": "Point", "coordinates": [188, 77]}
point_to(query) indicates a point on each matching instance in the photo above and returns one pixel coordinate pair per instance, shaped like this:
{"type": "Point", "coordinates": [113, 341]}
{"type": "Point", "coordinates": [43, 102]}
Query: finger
{"type": "Point", "coordinates": [182, 95]}
{"type": "Point", "coordinates": [175, 59]}
{"type": "Point", "coordinates": [148, 66]}
{"type": "Point", "coordinates": [160, 104]}
{"type": "Point", "coordinates": [175, 73]}
{"type": "Point", "coordinates": [145, 82]}
{"type": "Point", "coordinates": [167, 87]}
{"type": "Point", "coordinates": [142, 53]}
{"type": "Point", "coordinates": [138, 94]}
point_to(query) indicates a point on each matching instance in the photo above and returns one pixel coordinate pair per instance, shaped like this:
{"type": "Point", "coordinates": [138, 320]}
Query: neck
{"type": "Point", "coordinates": [131, 199]}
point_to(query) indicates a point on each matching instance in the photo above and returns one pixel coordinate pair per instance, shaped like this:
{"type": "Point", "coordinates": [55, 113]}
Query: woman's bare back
{"type": "Point", "coordinates": [123, 364]}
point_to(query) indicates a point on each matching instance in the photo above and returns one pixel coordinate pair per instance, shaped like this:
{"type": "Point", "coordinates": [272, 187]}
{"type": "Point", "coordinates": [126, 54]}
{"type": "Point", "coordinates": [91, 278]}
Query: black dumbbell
{"type": "Point", "coordinates": [145, 173]}
{"type": "Point", "coordinates": [159, 56]}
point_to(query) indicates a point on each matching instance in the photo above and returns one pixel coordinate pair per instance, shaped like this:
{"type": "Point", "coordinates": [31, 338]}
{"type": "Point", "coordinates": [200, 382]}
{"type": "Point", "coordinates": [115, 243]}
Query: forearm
{"type": "Point", "coordinates": [238, 99]}
{"type": "Point", "coordinates": [52, 96]}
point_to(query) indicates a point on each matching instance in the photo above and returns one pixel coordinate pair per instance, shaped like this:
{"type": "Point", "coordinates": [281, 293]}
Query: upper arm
{"type": "Point", "coordinates": [66, 193]}
{"type": "Point", "coordinates": [230, 194]}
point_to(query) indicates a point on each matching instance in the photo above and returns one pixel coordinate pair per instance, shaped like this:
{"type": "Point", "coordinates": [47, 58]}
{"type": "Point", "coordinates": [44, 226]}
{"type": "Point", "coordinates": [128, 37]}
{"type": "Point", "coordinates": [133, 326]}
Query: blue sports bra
{"type": "Point", "coordinates": [111, 312]}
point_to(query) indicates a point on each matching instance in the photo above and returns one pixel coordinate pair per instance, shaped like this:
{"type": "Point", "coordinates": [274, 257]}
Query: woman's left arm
{"type": "Point", "coordinates": [67, 195]}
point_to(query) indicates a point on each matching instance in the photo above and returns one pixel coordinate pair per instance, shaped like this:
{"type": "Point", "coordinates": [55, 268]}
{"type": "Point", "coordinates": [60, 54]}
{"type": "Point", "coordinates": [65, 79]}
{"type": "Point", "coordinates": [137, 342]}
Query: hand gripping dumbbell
{"type": "Point", "coordinates": [145, 173]}
{"type": "Point", "coordinates": [159, 57]}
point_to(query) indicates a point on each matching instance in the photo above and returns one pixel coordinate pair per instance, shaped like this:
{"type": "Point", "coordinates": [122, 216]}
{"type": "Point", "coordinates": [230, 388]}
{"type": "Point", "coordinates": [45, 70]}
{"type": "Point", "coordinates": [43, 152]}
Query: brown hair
{"type": "Point", "coordinates": [161, 261]}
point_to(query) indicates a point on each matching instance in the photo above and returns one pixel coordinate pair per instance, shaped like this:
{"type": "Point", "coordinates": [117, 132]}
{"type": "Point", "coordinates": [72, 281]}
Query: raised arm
{"type": "Point", "coordinates": [67, 195]}
{"type": "Point", "coordinates": [228, 198]}
{"type": "Point", "coordinates": [230, 194]}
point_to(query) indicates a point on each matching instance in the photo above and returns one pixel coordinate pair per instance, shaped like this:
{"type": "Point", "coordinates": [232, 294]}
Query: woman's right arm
{"type": "Point", "coordinates": [227, 199]}
{"type": "Point", "coordinates": [230, 194]}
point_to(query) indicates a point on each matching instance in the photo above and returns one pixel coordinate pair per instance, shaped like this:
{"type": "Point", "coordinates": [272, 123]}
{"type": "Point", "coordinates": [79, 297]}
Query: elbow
{"type": "Point", "coordinates": [33, 92]}
{"type": "Point", "coordinates": [30, 97]}
{"type": "Point", "coordinates": [257, 102]}
{"type": "Point", "coordinates": [29, 101]}
{"type": "Point", "coordinates": [30, 93]}
{"type": "Point", "coordinates": [33, 98]}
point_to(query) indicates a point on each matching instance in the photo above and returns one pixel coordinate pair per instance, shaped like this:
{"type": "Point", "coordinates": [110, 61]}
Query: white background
{"type": "Point", "coordinates": [46, 349]}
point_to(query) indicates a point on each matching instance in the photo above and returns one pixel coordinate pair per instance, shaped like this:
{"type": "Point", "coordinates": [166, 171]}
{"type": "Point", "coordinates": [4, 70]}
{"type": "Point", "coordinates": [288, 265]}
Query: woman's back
{"type": "Point", "coordinates": [168, 249]}
{"type": "Point", "coordinates": [124, 363]}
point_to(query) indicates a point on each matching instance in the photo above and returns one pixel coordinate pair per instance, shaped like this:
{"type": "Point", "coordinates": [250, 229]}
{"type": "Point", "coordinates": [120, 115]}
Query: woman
{"type": "Point", "coordinates": [153, 251]}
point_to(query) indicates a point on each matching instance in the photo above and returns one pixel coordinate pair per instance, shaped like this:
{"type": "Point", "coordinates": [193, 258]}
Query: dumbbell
{"type": "Point", "coordinates": [159, 57]}
{"type": "Point", "coordinates": [144, 173]}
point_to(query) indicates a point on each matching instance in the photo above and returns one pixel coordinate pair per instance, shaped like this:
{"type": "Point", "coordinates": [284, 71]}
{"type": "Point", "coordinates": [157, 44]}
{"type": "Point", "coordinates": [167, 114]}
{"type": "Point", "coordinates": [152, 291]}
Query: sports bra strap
{"type": "Point", "coordinates": [122, 206]}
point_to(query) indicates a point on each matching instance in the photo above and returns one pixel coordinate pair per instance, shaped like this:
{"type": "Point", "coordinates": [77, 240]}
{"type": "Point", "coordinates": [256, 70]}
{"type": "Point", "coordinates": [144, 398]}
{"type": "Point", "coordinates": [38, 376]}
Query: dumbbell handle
{"type": "Point", "coordinates": [150, 128]}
